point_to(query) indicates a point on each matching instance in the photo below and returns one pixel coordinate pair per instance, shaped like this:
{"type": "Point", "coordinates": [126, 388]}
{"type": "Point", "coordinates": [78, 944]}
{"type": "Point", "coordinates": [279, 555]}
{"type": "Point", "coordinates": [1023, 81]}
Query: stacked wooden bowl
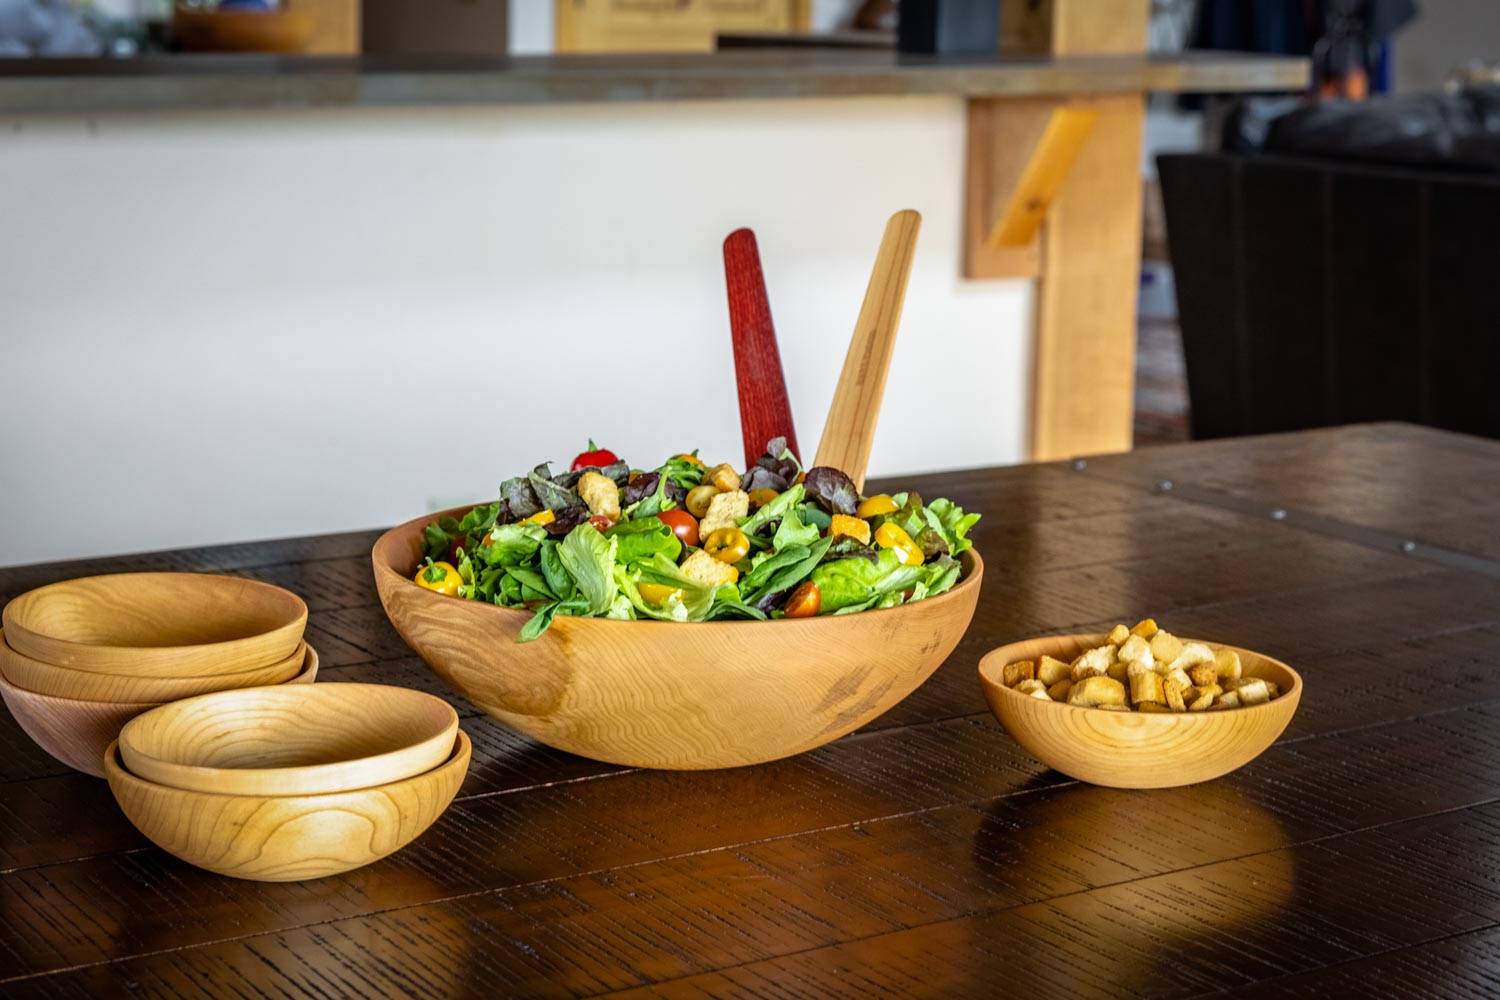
{"type": "Point", "coordinates": [276, 784]}
{"type": "Point", "coordinates": [81, 658]}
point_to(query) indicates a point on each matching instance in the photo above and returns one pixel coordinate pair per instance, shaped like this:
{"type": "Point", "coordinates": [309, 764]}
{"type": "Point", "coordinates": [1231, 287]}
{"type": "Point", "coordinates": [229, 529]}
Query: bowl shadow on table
{"type": "Point", "coordinates": [1061, 841]}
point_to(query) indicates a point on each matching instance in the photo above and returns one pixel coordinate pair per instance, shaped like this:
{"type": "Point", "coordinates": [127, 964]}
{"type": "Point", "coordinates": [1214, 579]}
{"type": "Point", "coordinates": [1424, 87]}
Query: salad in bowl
{"type": "Point", "coordinates": [686, 542]}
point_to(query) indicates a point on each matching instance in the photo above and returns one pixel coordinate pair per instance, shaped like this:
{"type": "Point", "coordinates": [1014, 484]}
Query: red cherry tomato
{"type": "Point", "coordinates": [806, 601]}
{"type": "Point", "coordinates": [683, 525]}
{"type": "Point", "coordinates": [601, 522]}
{"type": "Point", "coordinates": [599, 457]}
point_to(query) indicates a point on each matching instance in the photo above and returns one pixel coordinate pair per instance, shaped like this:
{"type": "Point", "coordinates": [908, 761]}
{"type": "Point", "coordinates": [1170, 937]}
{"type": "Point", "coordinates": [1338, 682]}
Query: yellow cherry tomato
{"type": "Point", "coordinates": [698, 499]}
{"type": "Point", "coordinates": [541, 517]}
{"type": "Point", "coordinates": [657, 593]}
{"type": "Point", "coordinates": [894, 537]}
{"type": "Point", "coordinates": [759, 498]}
{"type": "Point", "coordinates": [728, 545]}
{"type": "Point", "coordinates": [439, 577]}
{"type": "Point", "coordinates": [853, 527]}
{"type": "Point", "coordinates": [880, 503]}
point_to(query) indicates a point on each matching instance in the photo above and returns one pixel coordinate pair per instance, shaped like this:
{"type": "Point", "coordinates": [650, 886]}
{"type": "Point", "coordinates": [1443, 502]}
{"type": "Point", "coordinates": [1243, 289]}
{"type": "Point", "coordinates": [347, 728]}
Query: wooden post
{"type": "Point", "coordinates": [1087, 256]}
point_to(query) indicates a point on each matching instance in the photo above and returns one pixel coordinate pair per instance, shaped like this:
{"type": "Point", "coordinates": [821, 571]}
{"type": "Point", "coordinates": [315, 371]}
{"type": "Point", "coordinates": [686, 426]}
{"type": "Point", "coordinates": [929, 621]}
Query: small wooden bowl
{"type": "Point", "coordinates": [668, 694]}
{"type": "Point", "coordinates": [1136, 749]}
{"type": "Point", "coordinates": [156, 624]}
{"type": "Point", "coordinates": [280, 741]}
{"type": "Point", "coordinates": [85, 685]}
{"type": "Point", "coordinates": [77, 732]}
{"type": "Point", "coordinates": [292, 837]}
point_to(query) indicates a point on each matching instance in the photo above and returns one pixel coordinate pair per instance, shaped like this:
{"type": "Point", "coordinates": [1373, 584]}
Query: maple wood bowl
{"type": "Point", "coordinates": [1136, 749]}
{"type": "Point", "coordinates": [288, 741]}
{"type": "Point", "coordinates": [77, 732]}
{"type": "Point", "coordinates": [156, 624]}
{"type": "Point", "coordinates": [287, 838]}
{"type": "Point", "coordinates": [87, 685]}
{"type": "Point", "coordinates": [669, 694]}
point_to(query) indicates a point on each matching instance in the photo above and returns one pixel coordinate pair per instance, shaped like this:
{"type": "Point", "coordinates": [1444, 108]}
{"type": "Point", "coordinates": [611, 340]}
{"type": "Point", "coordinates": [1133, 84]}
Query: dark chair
{"type": "Point", "coordinates": [1316, 292]}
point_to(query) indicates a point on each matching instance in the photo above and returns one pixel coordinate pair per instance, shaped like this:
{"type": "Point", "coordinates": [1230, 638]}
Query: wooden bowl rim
{"type": "Point", "coordinates": [8, 652]}
{"type": "Point", "coordinates": [23, 602]}
{"type": "Point", "coordinates": [971, 572]}
{"type": "Point", "coordinates": [297, 779]}
{"type": "Point", "coordinates": [309, 664]}
{"type": "Point", "coordinates": [114, 770]}
{"type": "Point", "coordinates": [1090, 639]}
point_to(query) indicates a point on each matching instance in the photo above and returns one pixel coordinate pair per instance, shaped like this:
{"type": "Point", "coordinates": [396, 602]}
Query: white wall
{"type": "Point", "coordinates": [247, 325]}
{"type": "Point", "coordinates": [1445, 35]}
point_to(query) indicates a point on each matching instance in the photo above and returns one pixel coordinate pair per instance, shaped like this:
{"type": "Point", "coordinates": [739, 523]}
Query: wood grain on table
{"type": "Point", "coordinates": [925, 854]}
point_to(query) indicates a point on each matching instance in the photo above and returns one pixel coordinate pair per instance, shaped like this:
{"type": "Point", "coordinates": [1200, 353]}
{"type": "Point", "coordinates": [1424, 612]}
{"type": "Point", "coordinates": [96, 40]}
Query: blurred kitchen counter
{"type": "Point", "coordinates": [64, 86]}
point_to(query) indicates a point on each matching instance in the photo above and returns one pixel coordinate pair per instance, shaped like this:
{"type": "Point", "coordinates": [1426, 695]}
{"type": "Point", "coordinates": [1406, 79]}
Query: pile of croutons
{"type": "Point", "coordinates": [1147, 669]}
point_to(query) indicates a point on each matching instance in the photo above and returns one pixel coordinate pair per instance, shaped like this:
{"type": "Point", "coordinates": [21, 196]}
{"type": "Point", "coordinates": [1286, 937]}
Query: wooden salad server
{"type": "Point", "coordinates": [765, 410]}
{"type": "Point", "coordinates": [850, 429]}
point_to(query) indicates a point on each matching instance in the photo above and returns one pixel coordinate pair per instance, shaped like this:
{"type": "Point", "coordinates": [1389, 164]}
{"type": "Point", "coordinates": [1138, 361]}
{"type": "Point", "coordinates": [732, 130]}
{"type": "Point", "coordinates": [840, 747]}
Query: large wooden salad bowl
{"type": "Point", "coordinates": [666, 694]}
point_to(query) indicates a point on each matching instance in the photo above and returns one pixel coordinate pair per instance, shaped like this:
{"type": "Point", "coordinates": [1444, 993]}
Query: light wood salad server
{"type": "Point", "coordinates": [850, 429]}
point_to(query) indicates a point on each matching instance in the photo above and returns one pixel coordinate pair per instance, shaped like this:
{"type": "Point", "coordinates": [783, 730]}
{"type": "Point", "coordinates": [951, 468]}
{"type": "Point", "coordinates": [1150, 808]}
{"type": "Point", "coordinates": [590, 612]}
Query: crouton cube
{"type": "Point", "coordinates": [1151, 706]}
{"type": "Point", "coordinates": [1015, 673]}
{"type": "Point", "coordinates": [1173, 690]}
{"type": "Point", "coordinates": [1136, 668]}
{"type": "Point", "coordinates": [1147, 686]}
{"type": "Point", "coordinates": [1198, 702]}
{"type": "Point", "coordinates": [724, 511]}
{"type": "Point", "coordinates": [601, 494]}
{"type": "Point", "coordinates": [1200, 690]}
{"type": "Point", "coordinates": [1229, 699]}
{"type": "Point", "coordinates": [1050, 671]}
{"type": "Point", "coordinates": [1145, 628]}
{"type": "Point", "coordinates": [1274, 690]}
{"type": "Point", "coordinates": [1035, 689]}
{"type": "Point", "coordinates": [1253, 691]}
{"type": "Point", "coordinates": [1192, 654]}
{"type": "Point", "coordinates": [1180, 676]}
{"type": "Point", "coordinates": [723, 478]}
{"type": "Point", "coordinates": [1203, 674]}
{"type": "Point", "coordinates": [1136, 648]}
{"type": "Point", "coordinates": [1117, 635]}
{"type": "Point", "coordinates": [1059, 691]}
{"type": "Point", "coordinates": [1119, 670]}
{"type": "Point", "coordinates": [1112, 708]}
{"type": "Point", "coordinates": [705, 569]}
{"type": "Point", "coordinates": [1227, 661]}
{"type": "Point", "coordinates": [1093, 663]}
{"type": "Point", "coordinates": [850, 527]}
{"type": "Point", "coordinates": [1165, 646]}
{"type": "Point", "coordinates": [1092, 692]}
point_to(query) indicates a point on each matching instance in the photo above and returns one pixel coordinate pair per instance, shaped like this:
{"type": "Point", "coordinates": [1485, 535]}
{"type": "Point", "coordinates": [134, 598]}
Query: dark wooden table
{"type": "Point", "coordinates": [926, 854]}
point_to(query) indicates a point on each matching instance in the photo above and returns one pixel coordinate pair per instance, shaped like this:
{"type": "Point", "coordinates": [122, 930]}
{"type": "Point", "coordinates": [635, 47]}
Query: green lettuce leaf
{"type": "Point", "coordinates": [847, 582]}
{"type": "Point", "coordinates": [783, 569]}
{"type": "Point", "coordinates": [644, 538]}
{"type": "Point", "coordinates": [559, 580]}
{"type": "Point", "coordinates": [785, 501]}
{"type": "Point", "coordinates": [542, 620]}
{"type": "Point", "coordinates": [791, 531]}
{"type": "Point", "coordinates": [952, 523]}
{"type": "Point", "coordinates": [590, 560]}
{"type": "Point", "coordinates": [513, 544]}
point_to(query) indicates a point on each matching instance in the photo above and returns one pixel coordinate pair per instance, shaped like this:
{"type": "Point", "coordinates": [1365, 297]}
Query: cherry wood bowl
{"type": "Point", "coordinates": [77, 732]}
{"type": "Point", "coordinates": [1136, 749]}
{"type": "Point", "coordinates": [286, 838]}
{"type": "Point", "coordinates": [156, 624]}
{"type": "Point", "coordinates": [290, 741]}
{"type": "Point", "coordinates": [671, 694]}
{"type": "Point", "coordinates": [87, 685]}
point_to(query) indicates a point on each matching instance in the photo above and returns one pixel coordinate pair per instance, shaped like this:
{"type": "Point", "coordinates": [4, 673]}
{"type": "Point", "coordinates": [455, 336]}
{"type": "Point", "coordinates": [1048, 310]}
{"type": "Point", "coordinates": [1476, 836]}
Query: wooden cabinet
{"type": "Point", "coordinates": [669, 25]}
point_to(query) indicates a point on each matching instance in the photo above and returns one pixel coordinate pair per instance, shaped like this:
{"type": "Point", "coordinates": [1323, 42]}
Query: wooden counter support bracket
{"type": "Point", "coordinates": [1080, 240]}
{"type": "Point", "coordinates": [1051, 161]}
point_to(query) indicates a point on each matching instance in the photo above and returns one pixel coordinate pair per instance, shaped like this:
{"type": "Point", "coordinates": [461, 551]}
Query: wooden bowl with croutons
{"type": "Point", "coordinates": [1133, 749]}
{"type": "Point", "coordinates": [680, 695]}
